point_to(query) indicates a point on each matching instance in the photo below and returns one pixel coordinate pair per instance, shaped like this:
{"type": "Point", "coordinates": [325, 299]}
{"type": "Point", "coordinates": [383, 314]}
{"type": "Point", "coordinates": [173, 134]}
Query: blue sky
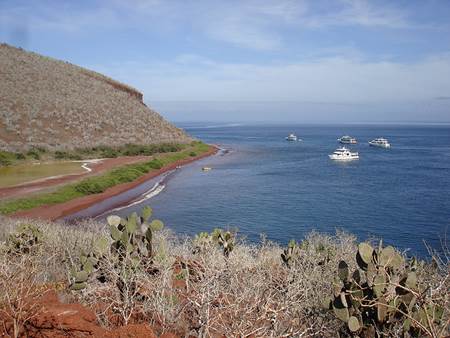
{"type": "Point", "coordinates": [275, 60]}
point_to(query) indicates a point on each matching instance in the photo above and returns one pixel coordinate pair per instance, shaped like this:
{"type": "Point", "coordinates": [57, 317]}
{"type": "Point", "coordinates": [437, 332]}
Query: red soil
{"type": "Point", "coordinates": [53, 212]}
{"type": "Point", "coordinates": [56, 320]}
{"type": "Point", "coordinates": [106, 164]}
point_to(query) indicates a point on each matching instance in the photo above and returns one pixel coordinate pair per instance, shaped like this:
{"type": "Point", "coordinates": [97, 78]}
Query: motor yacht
{"type": "Point", "coordinates": [380, 142]}
{"type": "Point", "coordinates": [343, 154]}
{"type": "Point", "coordinates": [347, 140]}
{"type": "Point", "coordinates": [291, 137]}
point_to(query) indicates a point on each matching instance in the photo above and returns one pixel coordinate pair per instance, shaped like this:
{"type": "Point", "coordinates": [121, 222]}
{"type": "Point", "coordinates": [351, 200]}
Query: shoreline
{"type": "Point", "coordinates": [57, 211]}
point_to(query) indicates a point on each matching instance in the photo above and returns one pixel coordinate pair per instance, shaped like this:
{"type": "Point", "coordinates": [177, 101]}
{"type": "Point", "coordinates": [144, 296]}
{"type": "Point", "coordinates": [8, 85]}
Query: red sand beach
{"type": "Point", "coordinates": [53, 212]}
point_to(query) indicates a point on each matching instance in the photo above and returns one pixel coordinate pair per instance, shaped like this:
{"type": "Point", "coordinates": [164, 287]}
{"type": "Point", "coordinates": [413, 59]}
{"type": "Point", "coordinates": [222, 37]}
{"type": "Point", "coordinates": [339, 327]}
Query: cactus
{"type": "Point", "coordinates": [134, 234]}
{"type": "Point", "coordinates": [131, 243]}
{"type": "Point", "coordinates": [226, 241]}
{"type": "Point", "coordinates": [202, 241]}
{"type": "Point", "coordinates": [26, 238]}
{"type": "Point", "coordinates": [290, 253]}
{"type": "Point", "coordinates": [383, 292]}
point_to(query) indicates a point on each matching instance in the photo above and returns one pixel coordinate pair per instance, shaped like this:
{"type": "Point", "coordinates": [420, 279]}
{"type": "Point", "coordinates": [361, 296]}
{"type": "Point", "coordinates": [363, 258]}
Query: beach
{"type": "Point", "coordinates": [58, 211]}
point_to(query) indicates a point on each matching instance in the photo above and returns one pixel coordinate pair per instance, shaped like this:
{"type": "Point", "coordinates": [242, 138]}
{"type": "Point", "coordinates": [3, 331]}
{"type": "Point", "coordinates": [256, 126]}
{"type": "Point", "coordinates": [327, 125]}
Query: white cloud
{"type": "Point", "coordinates": [251, 24]}
{"type": "Point", "coordinates": [329, 80]}
{"type": "Point", "coordinates": [360, 13]}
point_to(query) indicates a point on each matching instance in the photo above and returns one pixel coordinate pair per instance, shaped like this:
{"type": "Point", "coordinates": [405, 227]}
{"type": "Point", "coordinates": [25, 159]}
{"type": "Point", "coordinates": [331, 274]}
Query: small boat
{"type": "Point", "coordinates": [206, 168]}
{"type": "Point", "coordinates": [380, 142]}
{"type": "Point", "coordinates": [347, 140]}
{"type": "Point", "coordinates": [292, 137]}
{"type": "Point", "coordinates": [343, 154]}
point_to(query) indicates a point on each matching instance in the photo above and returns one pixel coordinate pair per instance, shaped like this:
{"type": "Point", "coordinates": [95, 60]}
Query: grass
{"type": "Point", "coordinates": [22, 173]}
{"type": "Point", "coordinates": [99, 183]}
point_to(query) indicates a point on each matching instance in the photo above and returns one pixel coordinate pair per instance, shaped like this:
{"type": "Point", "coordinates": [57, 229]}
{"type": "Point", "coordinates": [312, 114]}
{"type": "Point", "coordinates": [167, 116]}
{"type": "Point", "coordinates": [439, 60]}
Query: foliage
{"type": "Point", "coordinates": [34, 154]}
{"type": "Point", "coordinates": [26, 238]}
{"type": "Point", "coordinates": [202, 292]}
{"type": "Point", "coordinates": [224, 239]}
{"type": "Point", "coordinates": [384, 293]}
{"type": "Point", "coordinates": [6, 158]}
{"type": "Point", "coordinates": [96, 184]}
{"type": "Point", "coordinates": [103, 151]}
{"type": "Point", "coordinates": [131, 246]}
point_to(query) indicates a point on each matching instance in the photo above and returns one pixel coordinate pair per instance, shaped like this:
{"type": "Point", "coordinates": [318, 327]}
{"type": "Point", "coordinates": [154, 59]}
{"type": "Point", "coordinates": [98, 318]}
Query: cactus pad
{"type": "Point", "coordinates": [353, 324]}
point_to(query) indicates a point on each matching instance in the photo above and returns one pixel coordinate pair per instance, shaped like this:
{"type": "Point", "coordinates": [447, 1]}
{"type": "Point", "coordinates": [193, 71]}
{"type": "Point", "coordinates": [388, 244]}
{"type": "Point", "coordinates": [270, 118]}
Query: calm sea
{"type": "Point", "coordinates": [268, 185]}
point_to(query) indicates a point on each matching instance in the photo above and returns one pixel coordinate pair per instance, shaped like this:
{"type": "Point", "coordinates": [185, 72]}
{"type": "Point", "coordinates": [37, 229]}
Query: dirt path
{"type": "Point", "coordinates": [97, 167]}
{"type": "Point", "coordinates": [53, 212]}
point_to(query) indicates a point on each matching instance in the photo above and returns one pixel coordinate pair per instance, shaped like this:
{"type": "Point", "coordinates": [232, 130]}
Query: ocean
{"type": "Point", "coordinates": [263, 184]}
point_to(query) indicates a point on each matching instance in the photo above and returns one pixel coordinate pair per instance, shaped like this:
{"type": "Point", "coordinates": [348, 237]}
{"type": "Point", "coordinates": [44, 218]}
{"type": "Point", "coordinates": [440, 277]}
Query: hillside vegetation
{"type": "Point", "coordinates": [134, 272]}
{"type": "Point", "coordinates": [51, 104]}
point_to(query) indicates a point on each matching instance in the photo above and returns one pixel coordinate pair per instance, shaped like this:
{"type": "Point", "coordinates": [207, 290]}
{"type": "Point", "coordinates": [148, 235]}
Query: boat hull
{"type": "Point", "coordinates": [341, 158]}
{"type": "Point", "coordinates": [379, 145]}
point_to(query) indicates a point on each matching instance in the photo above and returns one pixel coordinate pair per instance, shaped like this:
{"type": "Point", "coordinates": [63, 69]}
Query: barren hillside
{"type": "Point", "coordinates": [54, 104]}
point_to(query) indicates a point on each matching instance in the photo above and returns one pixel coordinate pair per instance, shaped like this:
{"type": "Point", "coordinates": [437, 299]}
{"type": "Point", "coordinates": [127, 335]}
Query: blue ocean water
{"type": "Point", "coordinates": [268, 185]}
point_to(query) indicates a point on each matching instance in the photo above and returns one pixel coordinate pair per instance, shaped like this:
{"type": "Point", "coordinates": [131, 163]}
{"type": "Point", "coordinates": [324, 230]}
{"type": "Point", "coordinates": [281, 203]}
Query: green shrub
{"type": "Point", "coordinates": [156, 164]}
{"type": "Point", "coordinates": [110, 153]}
{"type": "Point", "coordinates": [5, 158]}
{"type": "Point", "coordinates": [34, 154]}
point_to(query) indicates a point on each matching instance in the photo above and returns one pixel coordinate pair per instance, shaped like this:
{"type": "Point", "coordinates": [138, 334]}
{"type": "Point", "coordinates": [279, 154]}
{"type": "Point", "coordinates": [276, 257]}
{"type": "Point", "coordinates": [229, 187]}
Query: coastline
{"type": "Point", "coordinates": [57, 211]}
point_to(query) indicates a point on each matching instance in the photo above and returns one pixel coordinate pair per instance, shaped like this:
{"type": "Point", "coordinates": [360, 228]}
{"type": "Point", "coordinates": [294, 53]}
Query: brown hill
{"type": "Point", "coordinates": [54, 104]}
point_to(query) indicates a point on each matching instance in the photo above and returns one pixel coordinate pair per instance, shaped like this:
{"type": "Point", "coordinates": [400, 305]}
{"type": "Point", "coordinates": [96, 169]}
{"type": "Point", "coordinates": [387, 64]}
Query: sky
{"type": "Point", "coordinates": [247, 60]}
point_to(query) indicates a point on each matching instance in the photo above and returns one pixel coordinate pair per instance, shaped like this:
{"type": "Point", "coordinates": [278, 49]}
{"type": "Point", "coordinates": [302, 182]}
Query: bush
{"type": "Point", "coordinates": [5, 158]}
{"type": "Point", "coordinates": [34, 154]}
{"type": "Point", "coordinates": [110, 153]}
{"type": "Point", "coordinates": [156, 164]}
{"type": "Point", "coordinates": [88, 187]}
{"type": "Point", "coordinates": [20, 156]}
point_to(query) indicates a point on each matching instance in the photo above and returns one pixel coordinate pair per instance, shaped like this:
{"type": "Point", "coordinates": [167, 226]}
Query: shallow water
{"type": "Point", "coordinates": [267, 185]}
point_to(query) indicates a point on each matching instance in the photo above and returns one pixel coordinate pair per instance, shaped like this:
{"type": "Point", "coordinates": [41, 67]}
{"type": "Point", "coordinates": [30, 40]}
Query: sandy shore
{"type": "Point", "coordinates": [53, 212]}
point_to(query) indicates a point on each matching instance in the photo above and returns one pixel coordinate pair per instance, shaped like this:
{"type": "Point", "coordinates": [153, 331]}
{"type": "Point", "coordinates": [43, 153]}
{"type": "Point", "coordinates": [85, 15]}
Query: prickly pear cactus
{"type": "Point", "coordinates": [133, 235]}
{"type": "Point", "coordinates": [202, 241]}
{"type": "Point", "coordinates": [291, 253]}
{"type": "Point", "coordinates": [130, 244]}
{"type": "Point", "coordinates": [381, 294]}
{"type": "Point", "coordinates": [226, 241]}
{"type": "Point", "coordinates": [26, 238]}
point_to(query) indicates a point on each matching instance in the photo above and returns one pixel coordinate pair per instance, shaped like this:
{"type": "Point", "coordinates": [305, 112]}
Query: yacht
{"type": "Point", "coordinates": [380, 142]}
{"type": "Point", "coordinates": [343, 154]}
{"type": "Point", "coordinates": [347, 140]}
{"type": "Point", "coordinates": [291, 137]}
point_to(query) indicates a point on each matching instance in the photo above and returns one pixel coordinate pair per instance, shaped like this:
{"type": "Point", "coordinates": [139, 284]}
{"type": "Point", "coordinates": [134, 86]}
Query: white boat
{"type": "Point", "coordinates": [347, 140]}
{"type": "Point", "coordinates": [380, 142]}
{"type": "Point", "coordinates": [206, 168]}
{"type": "Point", "coordinates": [292, 137]}
{"type": "Point", "coordinates": [343, 154]}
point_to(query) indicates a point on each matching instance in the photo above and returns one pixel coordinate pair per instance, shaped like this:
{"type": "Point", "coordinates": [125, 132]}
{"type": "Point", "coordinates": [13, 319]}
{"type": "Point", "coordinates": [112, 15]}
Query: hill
{"type": "Point", "coordinates": [57, 105]}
